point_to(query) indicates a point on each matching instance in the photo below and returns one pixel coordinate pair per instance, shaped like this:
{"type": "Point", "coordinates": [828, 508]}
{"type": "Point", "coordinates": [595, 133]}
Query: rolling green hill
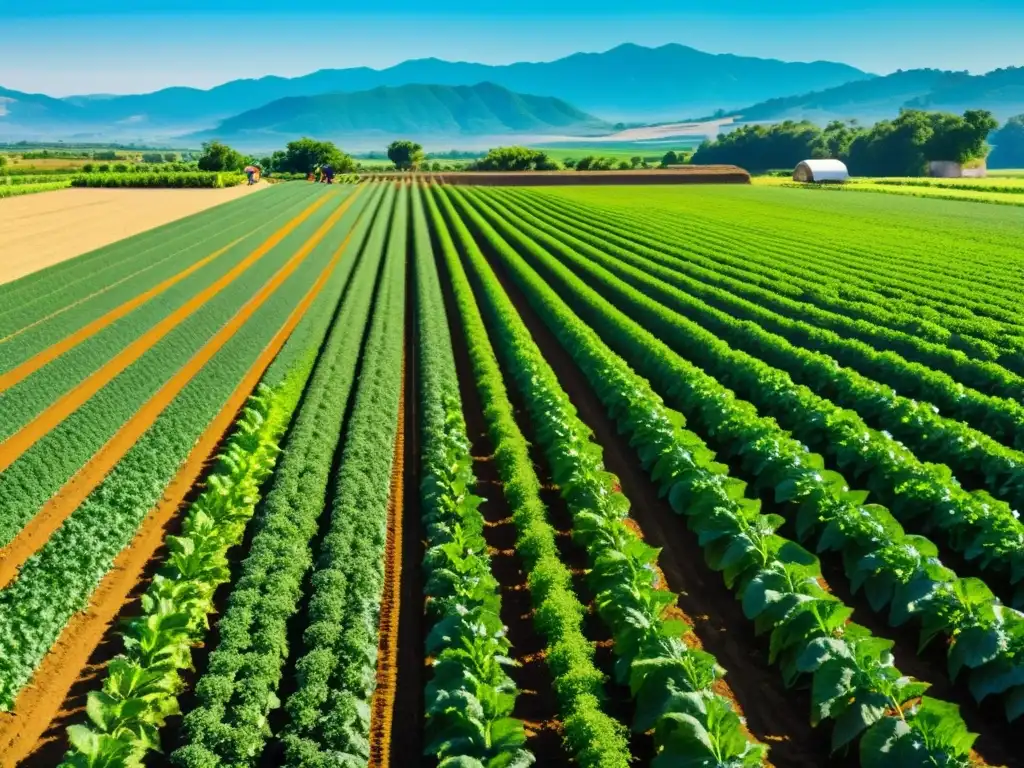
{"type": "Point", "coordinates": [627, 83]}
{"type": "Point", "coordinates": [482, 109]}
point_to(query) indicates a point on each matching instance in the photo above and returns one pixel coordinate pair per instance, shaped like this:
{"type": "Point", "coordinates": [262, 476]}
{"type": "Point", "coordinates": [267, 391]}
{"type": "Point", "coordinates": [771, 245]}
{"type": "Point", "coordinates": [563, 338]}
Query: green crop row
{"type": "Point", "coordinates": [78, 555]}
{"type": "Point", "coordinates": [198, 179]}
{"type": "Point", "coordinates": [905, 357]}
{"type": "Point", "coordinates": [239, 688]}
{"type": "Point", "coordinates": [890, 263]}
{"type": "Point", "coordinates": [974, 524]}
{"type": "Point", "coordinates": [16, 181]}
{"type": "Point", "coordinates": [470, 697]}
{"type": "Point", "coordinates": [852, 672]}
{"type": "Point", "coordinates": [693, 723]}
{"type": "Point", "coordinates": [592, 738]}
{"type": "Point", "coordinates": [896, 570]}
{"type": "Point", "coordinates": [31, 189]}
{"type": "Point", "coordinates": [1005, 186]}
{"type": "Point", "coordinates": [143, 685]}
{"type": "Point", "coordinates": [941, 315]}
{"type": "Point", "coordinates": [329, 710]}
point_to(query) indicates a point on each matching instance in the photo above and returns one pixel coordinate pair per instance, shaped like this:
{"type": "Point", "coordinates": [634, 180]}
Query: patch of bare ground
{"type": "Point", "coordinates": [40, 230]}
{"type": "Point", "coordinates": [410, 695]}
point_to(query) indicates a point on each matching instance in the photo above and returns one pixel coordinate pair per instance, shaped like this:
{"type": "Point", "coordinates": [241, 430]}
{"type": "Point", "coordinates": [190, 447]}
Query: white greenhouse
{"type": "Point", "coordinates": [821, 170]}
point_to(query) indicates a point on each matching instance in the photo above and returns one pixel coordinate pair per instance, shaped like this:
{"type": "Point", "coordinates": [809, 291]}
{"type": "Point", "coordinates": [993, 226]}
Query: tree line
{"type": "Point", "coordinates": [1008, 151]}
{"type": "Point", "coordinates": [900, 147]}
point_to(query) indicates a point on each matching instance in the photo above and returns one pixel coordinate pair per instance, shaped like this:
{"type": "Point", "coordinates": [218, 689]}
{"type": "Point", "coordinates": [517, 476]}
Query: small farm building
{"type": "Point", "coordinates": [821, 170]}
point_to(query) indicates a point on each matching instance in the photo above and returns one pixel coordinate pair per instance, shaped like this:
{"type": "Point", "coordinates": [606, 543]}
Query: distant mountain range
{"type": "Point", "coordinates": [576, 95]}
{"type": "Point", "coordinates": [627, 83]}
{"type": "Point", "coordinates": [410, 110]}
{"type": "Point", "coordinates": [1000, 91]}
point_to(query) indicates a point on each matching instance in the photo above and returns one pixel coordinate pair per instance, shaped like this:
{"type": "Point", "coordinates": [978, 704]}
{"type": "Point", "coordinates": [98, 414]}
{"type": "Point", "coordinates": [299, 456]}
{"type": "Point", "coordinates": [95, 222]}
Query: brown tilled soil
{"type": "Point", "coordinates": [696, 174]}
{"type": "Point", "coordinates": [55, 696]}
{"type": "Point", "coordinates": [382, 706]}
{"type": "Point", "coordinates": [775, 716]}
{"type": "Point", "coordinates": [407, 719]}
{"type": "Point", "coordinates": [48, 228]}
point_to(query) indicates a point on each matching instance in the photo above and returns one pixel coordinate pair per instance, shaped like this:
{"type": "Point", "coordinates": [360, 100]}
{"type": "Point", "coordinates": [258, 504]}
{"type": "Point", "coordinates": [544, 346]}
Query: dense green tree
{"type": "Point", "coordinates": [670, 158]}
{"type": "Point", "coordinates": [899, 147]}
{"type": "Point", "coordinates": [516, 159]}
{"type": "Point", "coordinates": [406, 155]}
{"type": "Point", "coordinates": [305, 155]}
{"type": "Point", "coordinates": [1009, 145]}
{"type": "Point", "coordinates": [636, 162]}
{"type": "Point", "coordinates": [217, 156]}
{"type": "Point", "coordinates": [170, 157]}
{"type": "Point", "coordinates": [152, 157]}
{"type": "Point", "coordinates": [591, 163]}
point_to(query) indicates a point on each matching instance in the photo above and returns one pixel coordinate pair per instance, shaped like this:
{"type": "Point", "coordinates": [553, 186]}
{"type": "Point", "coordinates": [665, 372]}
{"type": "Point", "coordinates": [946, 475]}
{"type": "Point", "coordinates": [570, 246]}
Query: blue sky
{"type": "Point", "coordinates": [63, 47]}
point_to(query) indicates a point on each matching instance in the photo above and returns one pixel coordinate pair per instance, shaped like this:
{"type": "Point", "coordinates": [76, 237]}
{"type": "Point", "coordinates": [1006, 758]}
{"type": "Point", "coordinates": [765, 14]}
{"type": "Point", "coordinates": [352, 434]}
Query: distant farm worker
{"type": "Point", "coordinates": [319, 174]}
{"type": "Point", "coordinates": [328, 174]}
{"type": "Point", "coordinates": [250, 171]}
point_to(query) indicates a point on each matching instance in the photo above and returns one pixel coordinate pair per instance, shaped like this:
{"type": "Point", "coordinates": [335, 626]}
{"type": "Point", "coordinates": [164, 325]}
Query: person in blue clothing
{"type": "Point", "coordinates": [328, 174]}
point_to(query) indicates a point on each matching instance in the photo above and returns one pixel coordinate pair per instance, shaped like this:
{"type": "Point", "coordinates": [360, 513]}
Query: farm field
{"type": "Point", "coordinates": [1001, 189]}
{"type": "Point", "coordinates": [691, 475]}
{"type": "Point", "coordinates": [40, 230]}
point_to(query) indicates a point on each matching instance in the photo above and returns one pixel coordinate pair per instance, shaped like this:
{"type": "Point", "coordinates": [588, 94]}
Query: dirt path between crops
{"type": "Point", "coordinates": [48, 228]}
{"type": "Point", "coordinates": [382, 705]}
{"type": "Point", "coordinates": [22, 731]}
{"type": "Point", "coordinates": [410, 694]}
{"type": "Point", "coordinates": [52, 515]}
{"type": "Point", "coordinates": [775, 716]}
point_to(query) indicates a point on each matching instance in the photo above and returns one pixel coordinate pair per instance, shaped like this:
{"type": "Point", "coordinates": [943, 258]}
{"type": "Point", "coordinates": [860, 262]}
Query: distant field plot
{"type": "Point", "coordinates": [1005, 190]}
{"type": "Point", "coordinates": [652, 152]}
